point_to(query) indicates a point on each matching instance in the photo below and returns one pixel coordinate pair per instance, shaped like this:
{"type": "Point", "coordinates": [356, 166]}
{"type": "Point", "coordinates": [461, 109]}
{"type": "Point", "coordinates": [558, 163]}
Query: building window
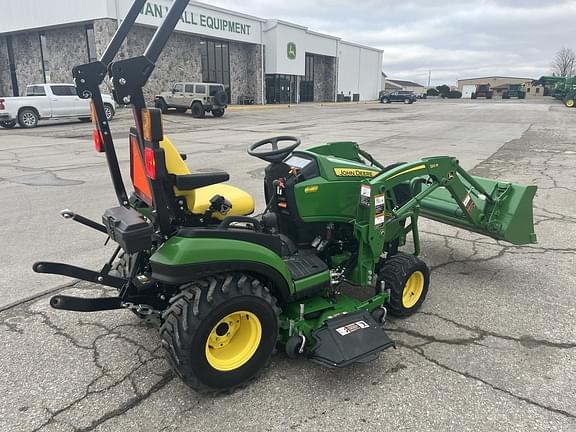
{"type": "Point", "coordinates": [309, 68]}
{"type": "Point", "coordinates": [537, 90]}
{"type": "Point", "coordinates": [44, 57]}
{"type": "Point", "coordinates": [12, 66]}
{"type": "Point", "coordinates": [91, 43]}
{"type": "Point", "coordinates": [528, 90]}
{"type": "Point", "coordinates": [280, 88]}
{"type": "Point", "coordinates": [216, 63]}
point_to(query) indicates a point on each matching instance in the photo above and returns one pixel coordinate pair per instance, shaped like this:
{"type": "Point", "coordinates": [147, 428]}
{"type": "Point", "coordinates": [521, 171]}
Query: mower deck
{"type": "Point", "coordinates": [350, 338]}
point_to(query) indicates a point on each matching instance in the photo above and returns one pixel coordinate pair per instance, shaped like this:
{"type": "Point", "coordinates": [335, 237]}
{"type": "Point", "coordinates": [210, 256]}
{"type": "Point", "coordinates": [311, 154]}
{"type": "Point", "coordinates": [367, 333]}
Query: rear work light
{"type": "Point", "coordinates": [2, 106]}
{"type": "Point", "coordinates": [150, 163]}
{"type": "Point", "coordinates": [98, 141]}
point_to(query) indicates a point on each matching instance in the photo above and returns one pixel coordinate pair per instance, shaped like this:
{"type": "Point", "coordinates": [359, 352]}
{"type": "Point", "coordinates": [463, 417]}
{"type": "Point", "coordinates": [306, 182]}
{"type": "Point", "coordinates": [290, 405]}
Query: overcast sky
{"type": "Point", "coordinates": [454, 39]}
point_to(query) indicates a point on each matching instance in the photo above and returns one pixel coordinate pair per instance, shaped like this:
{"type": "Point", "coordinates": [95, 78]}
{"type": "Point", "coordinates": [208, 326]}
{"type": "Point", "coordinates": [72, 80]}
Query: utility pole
{"type": "Point", "coordinates": [429, 73]}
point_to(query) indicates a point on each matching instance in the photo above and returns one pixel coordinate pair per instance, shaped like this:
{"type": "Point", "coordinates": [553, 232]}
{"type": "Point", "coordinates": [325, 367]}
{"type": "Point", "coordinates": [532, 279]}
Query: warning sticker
{"type": "Point", "coordinates": [468, 203]}
{"type": "Point", "coordinates": [351, 328]}
{"type": "Point", "coordinates": [365, 192]}
{"type": "Point", "coordinates": [379, 203]}
{"type": "Point", "coordinates": [379, 219]}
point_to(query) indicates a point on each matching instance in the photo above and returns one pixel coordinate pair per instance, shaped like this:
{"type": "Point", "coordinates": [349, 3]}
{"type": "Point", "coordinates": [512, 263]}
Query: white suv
{"type": "Point", "coordinates": [199, 97]}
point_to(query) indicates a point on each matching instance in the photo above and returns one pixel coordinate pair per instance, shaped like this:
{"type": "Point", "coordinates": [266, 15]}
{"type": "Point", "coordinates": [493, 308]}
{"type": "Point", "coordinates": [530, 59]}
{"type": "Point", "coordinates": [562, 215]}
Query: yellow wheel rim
{"type": "Point", "coordinates": [413, 289]}
{"type": "Point", "coordinates": [233, 341]}
{"type": "Point", "coordinates": [570, 103]}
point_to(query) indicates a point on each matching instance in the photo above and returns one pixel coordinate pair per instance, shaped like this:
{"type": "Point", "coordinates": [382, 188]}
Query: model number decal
{"type": "Point", "coordinates": [351, 328]}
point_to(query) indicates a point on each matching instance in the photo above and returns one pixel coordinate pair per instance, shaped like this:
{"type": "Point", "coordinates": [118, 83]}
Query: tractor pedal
{"type": "Point", "coordinates": [351, 338]}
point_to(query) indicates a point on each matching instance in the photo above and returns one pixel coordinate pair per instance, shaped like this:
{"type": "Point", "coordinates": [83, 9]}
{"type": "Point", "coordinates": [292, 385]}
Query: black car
{"type": "Point", "coordinates": [407, 97]}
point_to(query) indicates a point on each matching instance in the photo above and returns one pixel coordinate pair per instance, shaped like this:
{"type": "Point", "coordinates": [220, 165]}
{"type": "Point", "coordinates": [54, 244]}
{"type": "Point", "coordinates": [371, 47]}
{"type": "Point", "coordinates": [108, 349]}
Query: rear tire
{"type": "Point", "coordinates": [570, 102]}
{"type": "Point", "coordinates": [198, 110]}
{"type": "Point", "coordinates": [28, 118]}
{"type": "Point", "coordinates": [407, 277]}
{"type": "Point", "coordinates": [8, 124]}
{"type": "Point", "coordinates": [161, 104]}
{"type": "Point", "coordinates": [109, 112]}
{"type": "Point", "coordinates": [218, 112]}
{"type": "Point", "coordinates": [220, 332]}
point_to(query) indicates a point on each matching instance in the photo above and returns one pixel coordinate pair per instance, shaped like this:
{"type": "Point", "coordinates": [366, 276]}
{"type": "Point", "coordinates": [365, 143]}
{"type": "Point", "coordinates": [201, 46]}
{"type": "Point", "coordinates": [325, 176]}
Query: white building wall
{"type": "Point", "coordinates": [317, 43]}
{"type": "Point", "coordinates": [198, 18]}
{"type": "Point", "coordinates": [359, 71]}
{"type": "Point", "coordinates": [28, 14]}
{"type": "Point", "coordinates": [279, 35]}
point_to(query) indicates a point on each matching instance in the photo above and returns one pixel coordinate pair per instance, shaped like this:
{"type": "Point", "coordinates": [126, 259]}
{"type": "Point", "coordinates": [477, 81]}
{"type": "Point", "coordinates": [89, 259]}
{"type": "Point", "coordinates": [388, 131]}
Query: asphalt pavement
{"type": "Point", "coordinates": [492, 349]}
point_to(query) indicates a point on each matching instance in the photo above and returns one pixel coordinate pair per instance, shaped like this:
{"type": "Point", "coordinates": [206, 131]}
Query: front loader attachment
{"type": "Point", "coordinates": [438, 188]}
{"type": "Point", "coordinates": [505, 209]}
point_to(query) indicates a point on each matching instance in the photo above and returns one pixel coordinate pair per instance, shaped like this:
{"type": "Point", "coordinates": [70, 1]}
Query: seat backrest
{"type": "Point", "coordinates": [174, 165]}
{"type": "Point", "coordinates": [177, 166]}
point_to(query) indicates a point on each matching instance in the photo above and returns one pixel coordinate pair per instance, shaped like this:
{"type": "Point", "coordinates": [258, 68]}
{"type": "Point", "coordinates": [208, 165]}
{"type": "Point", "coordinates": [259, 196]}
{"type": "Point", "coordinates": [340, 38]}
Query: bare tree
{"type": "Point", "coordinates": [564, 63]}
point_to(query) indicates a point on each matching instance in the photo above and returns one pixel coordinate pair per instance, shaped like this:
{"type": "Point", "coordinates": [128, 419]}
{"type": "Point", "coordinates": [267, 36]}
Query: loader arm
{"type": "Point", "coordinates": [441, 190]}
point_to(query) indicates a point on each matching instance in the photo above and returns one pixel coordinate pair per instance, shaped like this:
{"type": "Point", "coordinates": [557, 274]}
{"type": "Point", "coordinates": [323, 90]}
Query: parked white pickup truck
{"type": "Point", "coordinates": [48, 101]}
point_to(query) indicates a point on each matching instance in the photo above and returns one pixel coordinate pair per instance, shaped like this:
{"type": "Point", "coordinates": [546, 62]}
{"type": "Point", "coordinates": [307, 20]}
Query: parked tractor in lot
{"type": "Point", "coordinates": [514, 90]}
{"type": "Point", "coordinates": [570, 99]}
{"type": "Point", "coordinates": [482, 91]}
{"type": "Point", "coordinates": [228, 287]}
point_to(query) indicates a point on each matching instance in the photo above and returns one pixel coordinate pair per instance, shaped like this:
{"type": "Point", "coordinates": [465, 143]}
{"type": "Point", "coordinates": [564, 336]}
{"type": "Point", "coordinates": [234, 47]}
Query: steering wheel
{"type": "Point", "coordinates": [277, 154]}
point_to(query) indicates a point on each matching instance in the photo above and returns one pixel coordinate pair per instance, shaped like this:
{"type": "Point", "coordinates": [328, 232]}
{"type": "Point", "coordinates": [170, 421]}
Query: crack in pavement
{"type": "Point", "coordinates": [418, 350]}
{"type": "Point", "coordinates": [130, 404]}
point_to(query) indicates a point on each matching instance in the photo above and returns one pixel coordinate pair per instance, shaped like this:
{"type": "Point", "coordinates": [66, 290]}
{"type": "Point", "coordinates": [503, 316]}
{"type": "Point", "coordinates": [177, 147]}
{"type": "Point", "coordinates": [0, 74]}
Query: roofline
{"type": "Point", "coordinates": [397, 81]}
{"type": "Point", "coordinates": [361, 46]}
{"type": "Point", "coordinates": [228, 11]}
{"type": "Point", "coordinates": [493, 76]}
{"type": "Point", "coordinates": [275, 23]}
{"type": "Point", "coordinates": [323, 35]}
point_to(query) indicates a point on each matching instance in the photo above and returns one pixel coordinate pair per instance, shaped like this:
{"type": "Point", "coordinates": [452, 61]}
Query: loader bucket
{"type": "Point", "coordinates": [499, 210]}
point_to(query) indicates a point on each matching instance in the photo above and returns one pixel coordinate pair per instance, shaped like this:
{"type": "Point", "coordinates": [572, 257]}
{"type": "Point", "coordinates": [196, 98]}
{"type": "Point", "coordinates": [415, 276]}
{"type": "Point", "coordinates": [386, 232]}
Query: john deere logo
{"type": "Point", "coordinates": [291, 47]}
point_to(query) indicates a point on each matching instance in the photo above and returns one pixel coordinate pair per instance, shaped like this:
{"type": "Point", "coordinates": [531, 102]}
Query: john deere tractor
{"type": "Point", "coordinates": [227, 287]}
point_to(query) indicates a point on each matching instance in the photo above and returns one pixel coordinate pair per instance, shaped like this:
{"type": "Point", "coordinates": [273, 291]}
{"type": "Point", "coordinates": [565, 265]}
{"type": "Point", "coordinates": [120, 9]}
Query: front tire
{"type": "Point", "coordinates": [570, 102]}
{"type": "Point", "coordinates": [220, 332]}
{"type": "Point", "coordinates": [407, 277]}
{"type": "Point", "coordinates": [28, 118]}
{"type": "Point", "coordinates": [109, 112]}
{"type": "Point", "coordinates": [162, 105]}
{"type": "Point", "coordinates": [8, 124]}
{"type": "Point", "coordinates": [198, 110]}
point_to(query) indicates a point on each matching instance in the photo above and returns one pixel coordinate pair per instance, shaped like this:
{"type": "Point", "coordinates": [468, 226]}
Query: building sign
{"type": "Point", "coordinates": [196, 19]}
{"type": "Point", "coordinates": [291, 50]}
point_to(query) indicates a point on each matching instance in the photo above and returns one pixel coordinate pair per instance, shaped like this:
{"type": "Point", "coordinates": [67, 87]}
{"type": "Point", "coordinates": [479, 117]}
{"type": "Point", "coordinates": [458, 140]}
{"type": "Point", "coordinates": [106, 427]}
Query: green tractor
{"type": "Point", "coordinates": [228, 288]}
{"type": "Point", "coordinates": [514, 90]}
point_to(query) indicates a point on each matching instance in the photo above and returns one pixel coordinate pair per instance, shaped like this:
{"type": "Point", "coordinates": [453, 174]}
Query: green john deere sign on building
{"type": "Point", "coordinates": [291, 50]}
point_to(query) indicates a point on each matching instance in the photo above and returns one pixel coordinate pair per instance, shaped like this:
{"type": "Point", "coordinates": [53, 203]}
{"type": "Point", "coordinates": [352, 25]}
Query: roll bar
{"type": "Point", "coordinates": [128, 77]}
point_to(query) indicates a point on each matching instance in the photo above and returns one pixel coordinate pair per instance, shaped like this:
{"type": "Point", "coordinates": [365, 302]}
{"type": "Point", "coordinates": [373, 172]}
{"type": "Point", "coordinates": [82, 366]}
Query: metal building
{"type": "Point", "coordinates": [265, 60]}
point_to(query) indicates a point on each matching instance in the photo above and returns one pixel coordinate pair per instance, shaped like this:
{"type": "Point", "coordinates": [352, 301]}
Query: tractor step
{"type": "Point", "coordinates": [305, 264]}
{"type": "Point", "coordinates": [351, 338]}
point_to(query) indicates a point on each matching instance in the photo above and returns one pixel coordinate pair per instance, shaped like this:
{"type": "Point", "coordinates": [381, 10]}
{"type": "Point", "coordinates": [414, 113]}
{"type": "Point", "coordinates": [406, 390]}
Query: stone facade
{"type": "Point", "coordinates": [66, 47]}
{"type": "Point", "coordinates": [5, 80]}
{"type": "Point", "coordinates": [324, 78]}
{"type": "Point", "coordinates": [245, 71]}
{"type": "Point", "coordinates": [27, 59]}
{"type": "Point", "coordinates": [180, 60]}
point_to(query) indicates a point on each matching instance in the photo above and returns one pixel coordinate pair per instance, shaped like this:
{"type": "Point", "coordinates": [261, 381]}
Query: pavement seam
{"type": "Point", "coordinates": [130, 404]}
{"type": "Point", "coordinates": [420, 352]}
